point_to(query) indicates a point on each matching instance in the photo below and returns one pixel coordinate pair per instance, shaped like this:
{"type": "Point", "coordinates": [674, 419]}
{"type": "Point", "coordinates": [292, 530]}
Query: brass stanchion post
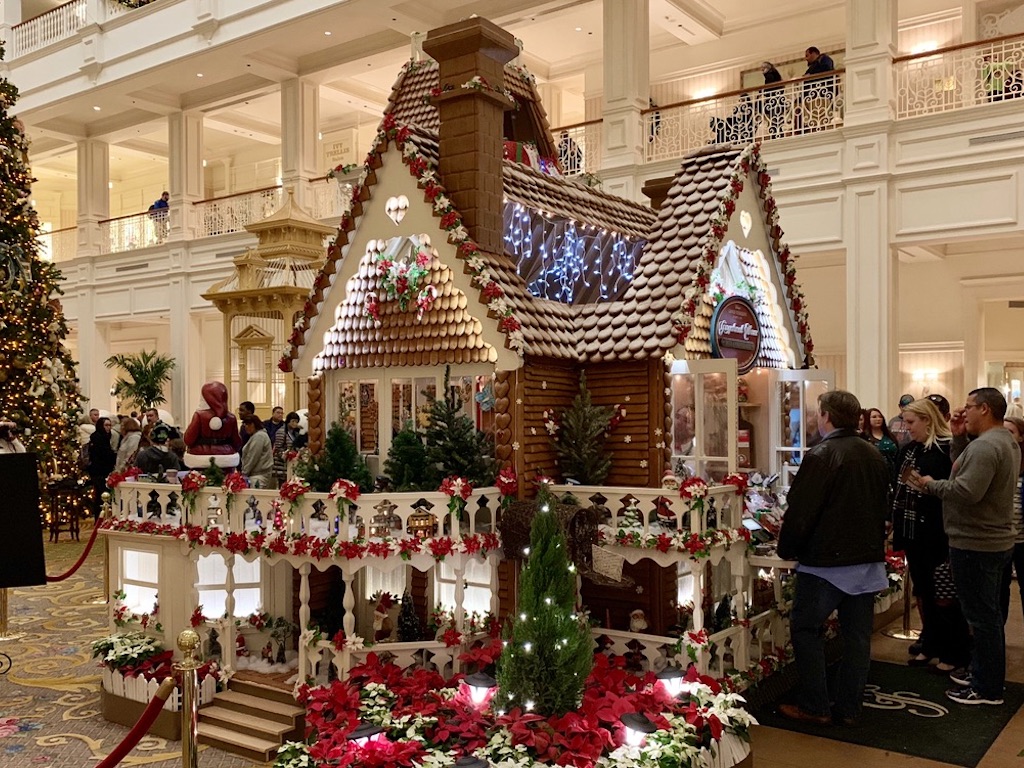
{"type": "Point", "coordinates": [905, 633]}
{"type": "Point", "coordinates": [188, 643]}
{"type": "Point", "coordinates": [5, 633]}
{"type": "Point", "coordinates": [107, 512]}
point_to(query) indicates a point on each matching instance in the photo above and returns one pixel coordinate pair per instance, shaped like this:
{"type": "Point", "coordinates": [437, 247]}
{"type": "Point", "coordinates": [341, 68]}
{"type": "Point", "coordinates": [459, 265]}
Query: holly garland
{"type": "Point", "coordinates": [750, 160]}
{"type": "Point", "coordinates": [491, 293]}
{"type": "Point", "coordinates": [304, 545]}
{"type": "Point", "coordinates": [696, 545]}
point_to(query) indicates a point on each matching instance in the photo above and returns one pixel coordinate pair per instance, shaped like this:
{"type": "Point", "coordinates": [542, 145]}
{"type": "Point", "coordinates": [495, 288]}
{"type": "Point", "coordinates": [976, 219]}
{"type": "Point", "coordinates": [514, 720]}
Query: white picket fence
{"type": "Point", "coordinates": [143, 690]}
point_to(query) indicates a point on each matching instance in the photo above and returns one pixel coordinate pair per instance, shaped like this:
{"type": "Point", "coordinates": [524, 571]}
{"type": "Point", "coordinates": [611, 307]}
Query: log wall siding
{"type": "Point", "coordinates": [545, 386]}
{"type": "Point", "coordinates": [627, 384]}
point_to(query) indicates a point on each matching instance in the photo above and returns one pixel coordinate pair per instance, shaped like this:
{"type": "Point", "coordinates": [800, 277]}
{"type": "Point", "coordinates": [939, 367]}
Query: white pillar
{"type": "Point", "coordinates": [870, 81]}
{"type": "Point", "coordinates": [626, 92]}
{"type": "Point", "coordinates": [93, 195]}
{"type": "Point", "coordinates": [93, 345]}
{"type": "Point", "coordinates": [10, 15]}
{"type": "Point", "coordinates": [975, 374]}
{"type": "Point", "coordinates": [300, 118]}
{"type": "Point", "coordinates": [184, 171]}
{"type": "Point", "coordinates": [185, 333]}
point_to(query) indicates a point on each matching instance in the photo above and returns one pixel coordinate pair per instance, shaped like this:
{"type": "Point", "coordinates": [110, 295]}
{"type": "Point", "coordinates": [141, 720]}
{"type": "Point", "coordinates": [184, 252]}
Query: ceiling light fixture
{"type": "Point", "coordinates": [97, 107]}
{"type": "Point", "coordinates": [327, 33]}
{"type": "Point", "coordinates": [199, 74]}
{"type": "Point", "coordinates": [579, 29]}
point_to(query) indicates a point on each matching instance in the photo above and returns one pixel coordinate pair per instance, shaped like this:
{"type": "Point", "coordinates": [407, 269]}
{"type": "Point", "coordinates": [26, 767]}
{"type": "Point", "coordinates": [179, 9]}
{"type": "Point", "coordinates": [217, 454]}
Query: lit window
{"type": "Point", "coordinates": [477, 579]}
{"type": "Point", "coordinates": [212, 586]}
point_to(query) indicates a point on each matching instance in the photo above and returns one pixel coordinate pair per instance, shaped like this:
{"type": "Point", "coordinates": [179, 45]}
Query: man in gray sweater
{"type": "Point", "coordinates": [977, 511]}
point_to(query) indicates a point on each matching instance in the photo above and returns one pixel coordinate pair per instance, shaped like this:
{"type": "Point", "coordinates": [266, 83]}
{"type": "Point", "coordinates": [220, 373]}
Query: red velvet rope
{"type": "Point", "coordinates": [141, 726]}
{"type": "Point", "coordinates": [85, 554]}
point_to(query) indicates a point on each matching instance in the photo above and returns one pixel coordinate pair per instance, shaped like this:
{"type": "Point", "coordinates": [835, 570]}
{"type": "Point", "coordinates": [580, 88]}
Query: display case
{"type": "Point", "coordinates": [704, 418]}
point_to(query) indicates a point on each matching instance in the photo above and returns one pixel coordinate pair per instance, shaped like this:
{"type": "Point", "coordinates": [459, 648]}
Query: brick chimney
{"type": "Point", "coordinates": [472, 120]}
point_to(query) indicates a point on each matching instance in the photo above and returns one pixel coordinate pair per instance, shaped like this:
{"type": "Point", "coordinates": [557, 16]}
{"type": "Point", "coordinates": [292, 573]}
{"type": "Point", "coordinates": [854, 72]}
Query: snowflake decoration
{"type": "Point", "coordinates": [519, 401]}
{"type": "Point", "coordinates": [515, 446]}
{"type": "Point", "coordinates": [643, 463]}
{"type": "Point", "coordinates": [533, 430]}
{"type": "Point", "coordinates": [627, 439]}
{"type": "Point", "coordinates": [626, 398]}
{"type": "Point", "coordinates": [657, 431]}
{"type": "Point", "coordinates": [543, 385]}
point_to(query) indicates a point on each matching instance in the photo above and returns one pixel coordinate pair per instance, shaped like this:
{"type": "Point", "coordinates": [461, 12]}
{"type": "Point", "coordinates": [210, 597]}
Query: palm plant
{"type": "Point", "coordinates": [146, 373]}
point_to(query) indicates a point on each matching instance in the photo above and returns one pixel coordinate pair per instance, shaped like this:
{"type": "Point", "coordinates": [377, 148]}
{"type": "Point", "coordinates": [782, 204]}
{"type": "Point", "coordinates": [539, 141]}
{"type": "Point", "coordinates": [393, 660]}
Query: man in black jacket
{"type": "Point", "coordinates": [835, 527]}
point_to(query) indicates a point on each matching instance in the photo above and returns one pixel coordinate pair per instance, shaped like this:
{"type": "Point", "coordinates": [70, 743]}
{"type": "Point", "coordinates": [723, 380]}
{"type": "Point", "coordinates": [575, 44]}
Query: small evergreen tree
{"type": "Point", "coordinates": [581, 443]}
{"type": "Point", "coordinates": [454, 445]}
{"type": "Point", "coordinates": [406, 466]}
{"type": "Point", "coordinates": [550, 653]}
{"type": "Point", "coordinates": [339, 460]}
{"type": "Point", "coordinates": [410, 629]}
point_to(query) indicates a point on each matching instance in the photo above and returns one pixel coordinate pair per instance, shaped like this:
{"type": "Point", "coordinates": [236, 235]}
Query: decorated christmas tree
{"type": "Point", "coordinates": [406, 466]}
{"type": "Point", "coordinates": [550, 653]}
{"type": "Point", "coordinates": [38, 388]}
{"type": "Point", "coordinates": [410, 628]}
{"type": "Point", "coordinates": [455, 447]}
{"type": "Point", "coordinates": [580, 439]}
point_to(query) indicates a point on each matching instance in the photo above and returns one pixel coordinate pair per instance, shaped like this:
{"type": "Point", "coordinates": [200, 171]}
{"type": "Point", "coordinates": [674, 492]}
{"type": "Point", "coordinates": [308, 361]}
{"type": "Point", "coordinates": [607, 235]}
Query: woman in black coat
{"type": "Point", "coordinates": [102, 458]}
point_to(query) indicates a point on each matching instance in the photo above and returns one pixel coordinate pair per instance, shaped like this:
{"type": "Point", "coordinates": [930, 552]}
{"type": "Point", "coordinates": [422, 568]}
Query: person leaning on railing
{"type": "Point", "coordinates": [772, 104]}
{"type": "Point", "coordinates": [818, 93]}
{"type": "Point", "coordinates": [159, 213]}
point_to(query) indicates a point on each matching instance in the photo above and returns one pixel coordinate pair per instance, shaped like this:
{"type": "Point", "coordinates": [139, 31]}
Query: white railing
{"type": "Point", "coordinates": [142, 690]}
{"type": "Point", "coordinates": [58, 245]}
{"type": "Point", "coordinates": [329, 198]}
{"type": "Point", "coordinates": [62, 22]}
{"type": "Point", "coordinates": [790, 108]}
{"type": "Point", "coordinates": [373, 515]}
{"type": "Point", "coordinates": [579, 147]}
{"type": "Point", "coordinates": [140, 230]}
{"type": "Point", "coordinates": [224, 215]}
{"type": "Point", "coordinates": [960, 77]}
{"type": "Point", "coordinates": [422, 654]}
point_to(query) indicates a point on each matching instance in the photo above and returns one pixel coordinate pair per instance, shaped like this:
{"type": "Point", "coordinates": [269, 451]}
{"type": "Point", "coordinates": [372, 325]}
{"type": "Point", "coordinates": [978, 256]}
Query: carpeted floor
{"type": "Point", "coordinates": [906, 711]}
{"type": "Point", "coordinates": [49, 699]}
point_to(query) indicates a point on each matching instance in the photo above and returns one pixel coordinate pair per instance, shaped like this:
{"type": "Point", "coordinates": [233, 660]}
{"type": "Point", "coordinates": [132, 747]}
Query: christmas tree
{"type": "Point", "coordinates": [38, 388]}
{"type": "Point", "coordinates": [410, 630]}
{"type": "Point", "coordinates": [580, 440]}
{"type": "Point", "coordinates": [550, 653]}
{"type": "Point", "coordinates": [406, 466]}
{"type": "Point", "coordinates": [455, 447]}
{"type": "Point", "coordinates": [339, 460]}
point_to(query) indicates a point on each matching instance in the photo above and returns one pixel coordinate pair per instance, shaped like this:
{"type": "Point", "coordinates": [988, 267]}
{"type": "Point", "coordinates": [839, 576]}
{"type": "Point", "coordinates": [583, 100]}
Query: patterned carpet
{"type": "Point", "coordinates": [49, 699]}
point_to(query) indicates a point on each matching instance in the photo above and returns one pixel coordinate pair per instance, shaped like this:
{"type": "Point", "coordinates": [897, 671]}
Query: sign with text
{"type": "Point", "coordinates": [736, 332]}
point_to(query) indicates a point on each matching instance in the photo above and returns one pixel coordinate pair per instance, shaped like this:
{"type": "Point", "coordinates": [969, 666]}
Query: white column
{"type": "Point", "coordinates": [300, 118]}
{"type": "Point", "coordinates": [626, 92]}
{"type": "Point", "coordinates": [348, 602]}
{"type": "Point", "coordinates": [184, 171]}
{"type": "Point", "coordinates": [93, 195]}
{"type": "Point", "coordinates": [305, 663]}
{"type": "Point", "coordinates": [227, 640]}
{"type": "Point", "coordinates": [871, 35]}
{"type": "Point", "coordinates": [185, 331]}
{"type": "Point", "coordinates": [93, 345]}
{"type": "Point", "coordinates": [974, 353]}
{"type": "Point", "coordinates": [551, 99]}
{"type": "Point", "coordinates": [10, 15]}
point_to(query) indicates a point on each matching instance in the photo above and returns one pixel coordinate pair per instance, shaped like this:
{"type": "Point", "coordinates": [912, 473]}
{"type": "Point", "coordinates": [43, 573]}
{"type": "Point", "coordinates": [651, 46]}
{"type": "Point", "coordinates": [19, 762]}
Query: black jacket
{"type": "Point", "coordinates": [837, 504]}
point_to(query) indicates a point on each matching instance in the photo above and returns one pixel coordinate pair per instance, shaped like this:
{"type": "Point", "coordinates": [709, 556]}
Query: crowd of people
{"type": "Point", "coordinates": [946, 485]}
{"type": "Point", "coordinates": [157, 448]}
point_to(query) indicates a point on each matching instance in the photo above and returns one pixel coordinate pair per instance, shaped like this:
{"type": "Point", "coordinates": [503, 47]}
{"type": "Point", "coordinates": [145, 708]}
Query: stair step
{"type": "Point", "coordinates": [262, 691]}
{"type": "Point", "coordinates": [258, 707]}
{"type": "Point", "coordinates": [245, 722]}
{"type": "Point", "coordinates": [242, 744]}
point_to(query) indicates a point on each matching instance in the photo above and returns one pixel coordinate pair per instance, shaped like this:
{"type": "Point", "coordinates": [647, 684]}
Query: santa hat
{"type": "Point", "coordinates": [384, 603]}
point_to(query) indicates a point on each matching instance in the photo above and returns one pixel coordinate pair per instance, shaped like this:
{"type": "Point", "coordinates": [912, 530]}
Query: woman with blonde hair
{"type": "Point", "coordinates": [1015, 426]}
{"type": "Point", "coordinates": [918, 531]}
{"type": "Point", "coordinates": [128, 448]}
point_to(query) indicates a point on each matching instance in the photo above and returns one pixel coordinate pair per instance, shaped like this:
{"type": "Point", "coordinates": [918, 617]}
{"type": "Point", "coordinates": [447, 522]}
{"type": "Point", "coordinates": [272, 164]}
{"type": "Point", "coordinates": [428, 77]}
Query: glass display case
{"type": "Point", "coordinates": [796, 416]}
{"type": "Point", "coordinates": [704, 422]}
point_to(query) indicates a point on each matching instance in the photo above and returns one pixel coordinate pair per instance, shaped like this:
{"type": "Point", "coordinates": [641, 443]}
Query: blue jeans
{"type": "Point", "coordinates": [978, 578]}
{"type": "Point", "coordinates": [813, 603]}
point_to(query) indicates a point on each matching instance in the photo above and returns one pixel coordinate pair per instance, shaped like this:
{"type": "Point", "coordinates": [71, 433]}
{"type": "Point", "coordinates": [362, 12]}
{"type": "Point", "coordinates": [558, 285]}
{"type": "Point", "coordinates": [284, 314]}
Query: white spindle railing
{"type": "Point", "coordinates": [789, 108]}
{"type": "Point", "coordinates": [579, 147]}
{"type": "Point", "coordinates": [62, 22]}
{"type": "Point", "coordinates": [224, 215]}
{"type": "Point", "coordinates": [960, 77]}
{"type": "Point", "coordinates": [329, 198]}
{"type": "Point", "coordinates": [140, 230]}
{"type": "Point", "coordinates": [58, 245]}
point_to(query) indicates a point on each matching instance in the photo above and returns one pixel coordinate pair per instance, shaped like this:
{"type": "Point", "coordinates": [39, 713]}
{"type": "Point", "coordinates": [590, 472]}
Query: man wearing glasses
{"type": "Point", "coordinates": [977, 511]}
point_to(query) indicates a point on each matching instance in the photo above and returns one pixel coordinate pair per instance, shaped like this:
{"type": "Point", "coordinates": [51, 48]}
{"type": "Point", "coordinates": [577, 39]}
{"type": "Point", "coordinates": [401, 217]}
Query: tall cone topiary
{"type": "Point", "coordinates": [550, 652]}
{"type": "Point", "coordinates": [581, 439]}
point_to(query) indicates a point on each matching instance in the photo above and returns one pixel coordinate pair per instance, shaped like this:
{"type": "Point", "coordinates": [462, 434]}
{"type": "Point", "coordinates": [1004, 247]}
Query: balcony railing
{"type": "Point", "coordinates": [140, 230]}
{"type": "Point", "coordinates": [224, 215]}
{"type": "Point", "coordinates": [58, 245]}
{"type": "Point", "coordinates": [579, 147]}
{"type": "Point", "coordinates": [960, 76]}
{"type": "Point", "coordinates": [62, 22]}
{"type": "Point", "coordinates": [790, 108]}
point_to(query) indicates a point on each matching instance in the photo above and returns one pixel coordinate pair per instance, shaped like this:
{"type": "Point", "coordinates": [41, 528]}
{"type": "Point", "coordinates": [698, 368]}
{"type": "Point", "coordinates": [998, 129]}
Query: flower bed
{"type": "Point", "coordinates": [431, 721]}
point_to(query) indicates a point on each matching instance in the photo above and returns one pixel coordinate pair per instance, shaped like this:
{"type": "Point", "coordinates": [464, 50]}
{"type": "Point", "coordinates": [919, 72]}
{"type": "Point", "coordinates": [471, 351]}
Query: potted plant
{"type": "Point", "coordinates": [146, 374]}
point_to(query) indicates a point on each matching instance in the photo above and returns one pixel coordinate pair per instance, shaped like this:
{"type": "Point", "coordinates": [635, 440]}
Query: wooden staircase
{"type": "Point", "coordinates": [252, 720]}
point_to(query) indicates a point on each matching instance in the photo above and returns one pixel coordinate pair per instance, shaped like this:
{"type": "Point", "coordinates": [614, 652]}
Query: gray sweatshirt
{"type": "Point", "coordinates": [977, 500]}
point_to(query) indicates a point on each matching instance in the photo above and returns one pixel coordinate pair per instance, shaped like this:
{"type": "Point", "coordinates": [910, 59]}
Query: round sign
{"type": "Point", "coordinates": [736, 332]}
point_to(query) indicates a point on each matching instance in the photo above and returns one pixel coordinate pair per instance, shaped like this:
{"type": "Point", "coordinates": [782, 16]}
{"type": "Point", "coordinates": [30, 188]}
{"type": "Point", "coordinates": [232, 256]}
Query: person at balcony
{"type": "Point", "coordinates": [213, 431]}
{"type": "Point", "coordinates": [275, 424]}
{"type": "Point", "coordinates": [102, 458]}
{"type": "Point", "coordinates": [570, 156]}
{"type": "Point", "coordinates": [158, 458]}
{"type": "Point", "coordinates": [131, 440]}
{"type": "Point", "coordinates": [917, 530]}
{"type": "Point", "coordinates": [994, 77]}
{"type": "Point", "coordinates": [257, 454]}
{"type": "Point", "coordinates": [289, 438]}
{"type": "Point", "coordinates": [159, 212]}
{"type": "Point", "coordinates": [245, 409]}
{"type": "Point", "coordinates": [818, 93]}
{"type": "Point", "coordinates": [835, 527]}
{"type": "Point", "coordinates": [773, 101]}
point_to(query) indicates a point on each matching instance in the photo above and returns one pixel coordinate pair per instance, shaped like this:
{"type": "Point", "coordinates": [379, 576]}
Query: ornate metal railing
{"type": "Point", "coordinates": [579, 147]}
{"type": "Point", "coordinates": [58, 245]}
{"type": "Point", "coordinates": [224, 215]}
{"type": "Point", "coordinates": [62, 22]}
{"type": "Point", "coordinates": [960, 76]}
{"type": "Point", "coordinates": [329, 198]}
{"type": "Point", "coordinates": [139, 230]}
{"type": "Point", "coordinates": [790, 108]}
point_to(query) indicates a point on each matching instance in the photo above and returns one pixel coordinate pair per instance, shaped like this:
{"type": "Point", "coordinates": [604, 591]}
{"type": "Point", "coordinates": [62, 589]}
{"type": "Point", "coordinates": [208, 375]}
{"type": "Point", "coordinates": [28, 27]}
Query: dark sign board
{"type": "Point", "coordinates": [736, 332]}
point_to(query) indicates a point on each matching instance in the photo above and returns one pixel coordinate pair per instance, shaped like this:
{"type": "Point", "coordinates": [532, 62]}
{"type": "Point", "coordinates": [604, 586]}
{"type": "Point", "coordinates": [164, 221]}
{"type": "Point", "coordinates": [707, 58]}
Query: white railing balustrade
{"type": "Point", "coordinates": [142, 690]}
{"type": "Point", "coordinates": [58, 245]}
{"type": "Point", "coordinates": [790, 108]}
{"type": "Point", "coordinates": [140, 230]}
{"type": "Point", "coordinates": [579, 147]}
{"type": "Point", "coordinates": [422, 654]}
{"type": "Point", "coordinates": [224, 215]}
{"type": "Point", "coordinates": [960, 77]}
{"type": "Point", "coordinates": [329, 199]}
{"type": "Point", "coordinates": [62, 22]}
{"type": "Point", "coordinates": [373, 515]}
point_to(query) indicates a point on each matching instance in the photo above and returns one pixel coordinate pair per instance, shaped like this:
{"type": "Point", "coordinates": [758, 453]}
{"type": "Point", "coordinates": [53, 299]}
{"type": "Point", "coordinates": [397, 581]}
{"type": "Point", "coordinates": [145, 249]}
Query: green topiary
{"type": "Point", "coordinates": [339, 460]}
{"type": "Point", "coordinates": [550, 653]}
{"type": "Point", "coordinates": [580, 440]}
{"type": "Point", "coordinates": [214, 475]}
{"type": "Point", "coordinates": [455, 446]}
{"type": "Point", "coordinates": [410, 628]}
{"type": "Point", "coordinates": [406, 466]}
